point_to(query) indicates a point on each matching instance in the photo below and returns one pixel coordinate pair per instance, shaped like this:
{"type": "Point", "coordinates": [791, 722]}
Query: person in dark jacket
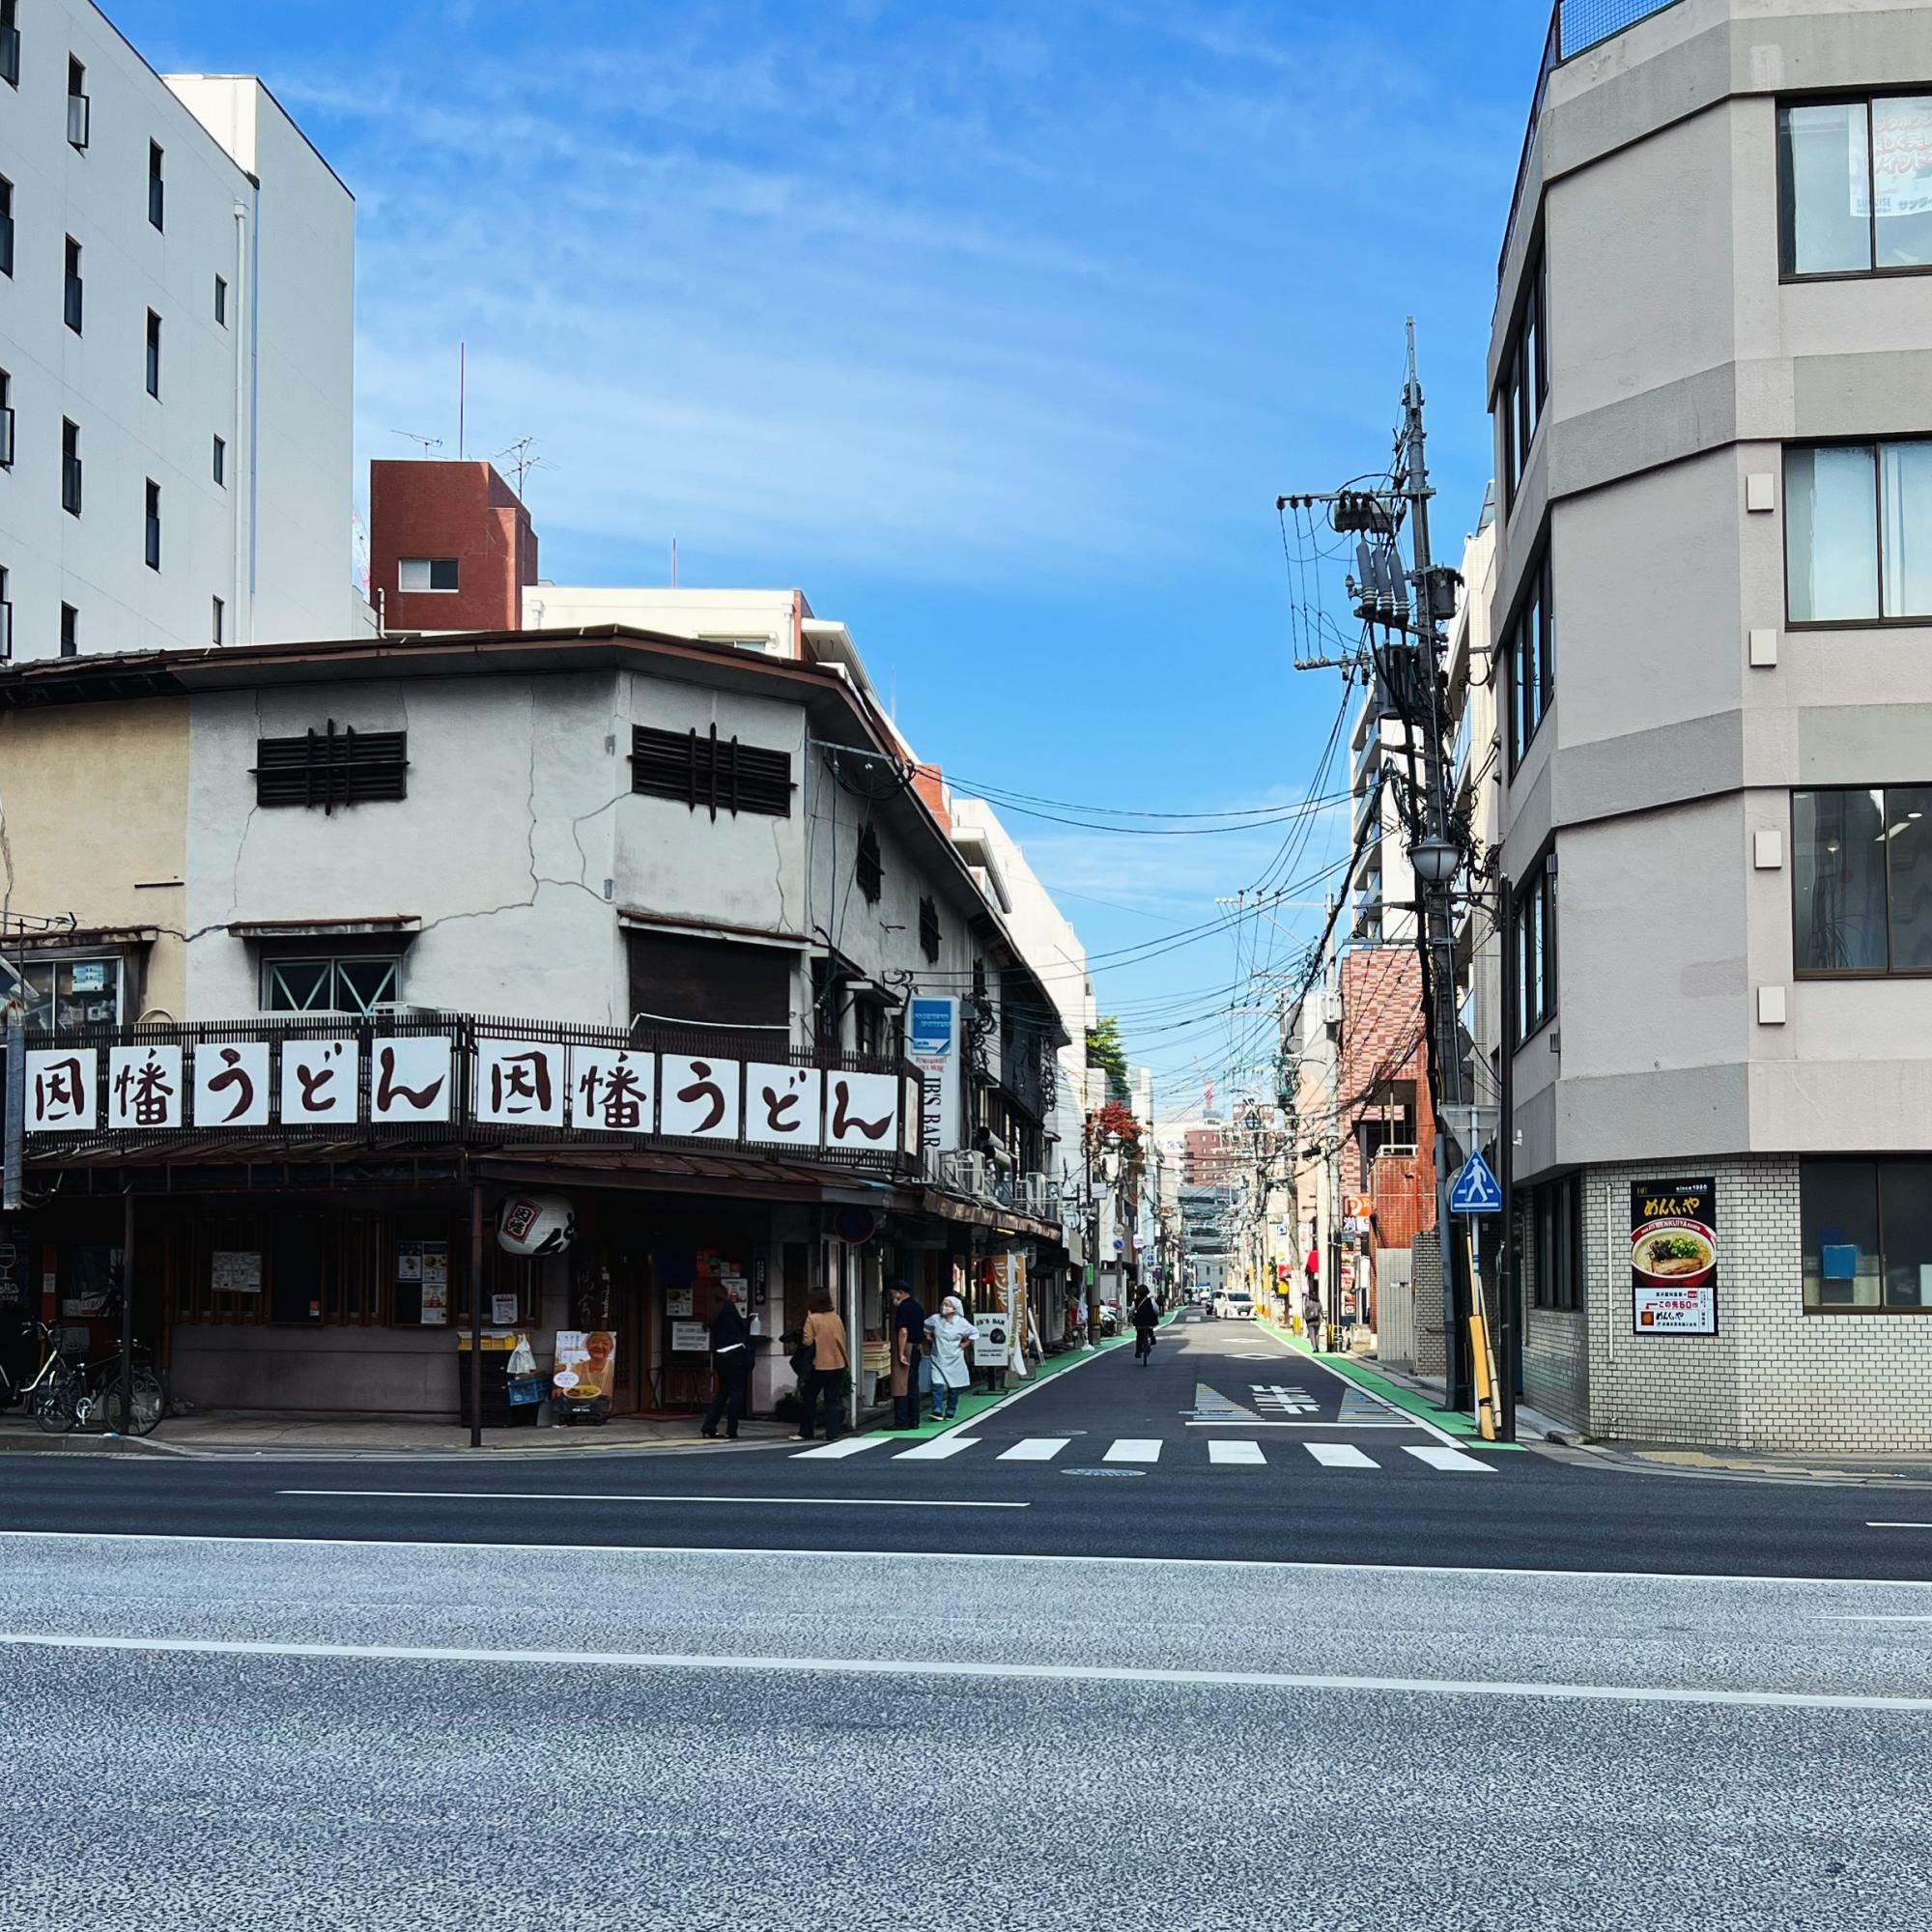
{"type": "Point", "coordinates": [731, 1364]}
{"type": "Point", "coordinates": [908, 1337]}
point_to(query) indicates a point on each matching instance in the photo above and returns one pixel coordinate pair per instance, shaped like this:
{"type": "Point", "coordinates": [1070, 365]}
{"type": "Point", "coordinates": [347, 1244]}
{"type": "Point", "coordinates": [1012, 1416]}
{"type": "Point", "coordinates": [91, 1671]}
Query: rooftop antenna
{"type": "Point", "coordinates": [462, 393]}
{"type": "Point", "coordinates": [673, 563]}
{"type": "Point", "coordinates": [428, 442]}
{"type": "Point", "coordinates": [519, 458]}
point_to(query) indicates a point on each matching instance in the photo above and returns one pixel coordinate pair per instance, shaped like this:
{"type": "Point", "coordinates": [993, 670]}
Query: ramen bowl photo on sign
{"type": "Point", "coordinates": [1674, 1252]}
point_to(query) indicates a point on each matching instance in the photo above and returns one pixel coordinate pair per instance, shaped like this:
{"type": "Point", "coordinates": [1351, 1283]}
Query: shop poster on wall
{"type": "Point", "coordinates": [1674, 1257]}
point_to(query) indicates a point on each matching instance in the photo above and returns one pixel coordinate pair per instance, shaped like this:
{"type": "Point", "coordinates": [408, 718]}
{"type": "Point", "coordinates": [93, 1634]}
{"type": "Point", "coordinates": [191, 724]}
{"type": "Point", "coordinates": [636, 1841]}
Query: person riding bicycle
{"type": "Point", "coordinates": [1147, 1318]}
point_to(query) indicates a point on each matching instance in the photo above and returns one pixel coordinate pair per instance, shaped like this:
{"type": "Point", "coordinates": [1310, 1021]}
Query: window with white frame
{"type": "Point", "coordinates": [337, 983]}
{"type": "Point", "coordinates": [428, 573]}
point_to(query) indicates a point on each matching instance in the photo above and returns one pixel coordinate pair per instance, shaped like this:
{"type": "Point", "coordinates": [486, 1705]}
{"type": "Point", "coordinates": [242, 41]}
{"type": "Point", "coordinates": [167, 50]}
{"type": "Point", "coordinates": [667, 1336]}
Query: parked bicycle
{"type": "Point", "coordinates": [64, 1396]}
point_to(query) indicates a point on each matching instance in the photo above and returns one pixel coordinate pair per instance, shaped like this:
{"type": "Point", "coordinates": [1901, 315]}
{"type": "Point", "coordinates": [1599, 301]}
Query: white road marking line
{"type": "Point", "coordinates": [1220, 1449]}
{"type": "Point", "coordinates": [1496, 1571]}
{"type": "Point", "coordinates": [832, 1452]}
{"type": "Point", "coordinates": [1898, 1525]}
{"type": "Point", "coordinates": [1442, 1435]}
{"type": "Point", "coordinates": [1133, 1449]}
{"type": "Point", "coordinates": [948, 1666]}
{"type": "Point", "coordinates": [1334, 1422]}
{"type": "Point", "coordinates": [1448, 1458]}
{"type": "Point", "coordinates": [1341, 1456]}
{"type": "Point", "coordinates": [1034, 1449]}
{"type": "Point", "coordinates": [526, 1496]}
{"type": "Point", "coordinates": [938, 1449]}
{"type": "Point", "coordinates": [1876, 1617]}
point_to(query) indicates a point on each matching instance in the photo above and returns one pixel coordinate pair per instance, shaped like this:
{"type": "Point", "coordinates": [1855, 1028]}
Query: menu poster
{"type": "Point", "coordinates": [584, 1375]}
{"type": "Point", "coordinates": [235, 1271]}
{"type": "Point", "coordinates": [435, 1284]}
{"type": "Point", "coordinates": [677, 1303]}
{"type": "Point", "coordinates": [689, 1338]}
{"type": "Point", "coordinates": [1674, 1257]}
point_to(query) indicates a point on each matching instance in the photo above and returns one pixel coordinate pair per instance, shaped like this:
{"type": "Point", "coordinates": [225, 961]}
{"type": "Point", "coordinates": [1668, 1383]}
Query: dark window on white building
{"type": "Point", "coordinates": [335, 766]}
{"type": "Point", "coordinates": [1857, 532]}
{"type": "Point", "coordinates": [1523, 384]}
{"type": "Point", "coordinates": [702, 769]}
{"type": "Point", "coordinates": [1530, 654]}
{"type": "Point", "coordinates": [1534, 949]}
{"type": "Point", "coordinates": [1867, 1234]}
{"type": "Point", "coordinates": [151, 536]}
{"type": "Point", "coordinates": [1861, 881]}
{"type": "Point", "coordinates": [157, 188]}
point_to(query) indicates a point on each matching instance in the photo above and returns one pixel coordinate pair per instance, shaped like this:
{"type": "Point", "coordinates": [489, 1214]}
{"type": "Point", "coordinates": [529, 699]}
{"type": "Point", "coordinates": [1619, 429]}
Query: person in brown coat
{"type": "Point", "coordinates": [830, 1376]}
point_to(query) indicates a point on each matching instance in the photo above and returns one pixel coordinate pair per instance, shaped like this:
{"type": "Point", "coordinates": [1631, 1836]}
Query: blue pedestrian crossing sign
{"type": "Point", "coordinates": [1475, 1191]}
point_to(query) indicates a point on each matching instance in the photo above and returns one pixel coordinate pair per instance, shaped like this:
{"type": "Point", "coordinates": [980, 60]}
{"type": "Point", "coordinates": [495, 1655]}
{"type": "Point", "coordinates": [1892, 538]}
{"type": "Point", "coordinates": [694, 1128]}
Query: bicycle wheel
{"type": "Point", "coordinates": [149, 1400]}
{"type": "Point", "coordinates": [54, 1405]}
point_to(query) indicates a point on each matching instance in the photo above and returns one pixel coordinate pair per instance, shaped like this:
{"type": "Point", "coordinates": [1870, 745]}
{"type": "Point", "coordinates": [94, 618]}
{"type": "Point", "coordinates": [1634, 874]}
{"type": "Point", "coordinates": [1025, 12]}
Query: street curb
{"type": "Point", "coordinates": [134, 1448]}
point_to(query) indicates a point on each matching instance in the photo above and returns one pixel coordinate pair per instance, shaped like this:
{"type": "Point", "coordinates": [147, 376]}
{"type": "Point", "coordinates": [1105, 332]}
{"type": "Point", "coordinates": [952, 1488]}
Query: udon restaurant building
{"type": "Point", "coordinates": [1711, 372]}
{"type": "Point", "coordinates": [559, 976]}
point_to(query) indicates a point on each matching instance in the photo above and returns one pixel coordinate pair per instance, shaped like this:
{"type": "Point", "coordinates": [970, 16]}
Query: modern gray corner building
{"type": "Point", "coordinates": [1711, 372]}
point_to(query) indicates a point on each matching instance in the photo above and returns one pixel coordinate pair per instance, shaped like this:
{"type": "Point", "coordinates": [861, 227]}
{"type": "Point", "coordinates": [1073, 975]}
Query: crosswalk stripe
{"type": "Point", "coordinates": [1339, 1456]}
{"type": "Point", "coordinates": [1220, 1449]}
{"type": "Point", "coordinates": [1135, 1449]}
{"type": "Point", "coordinates": [938, 1449]}
{"type": "Point", "coordinates": [847, 1445]}
{"type": "Point", "coordinates": [1034, 1449]}
{"type": "Point", "coordinates": [1448, 1458]}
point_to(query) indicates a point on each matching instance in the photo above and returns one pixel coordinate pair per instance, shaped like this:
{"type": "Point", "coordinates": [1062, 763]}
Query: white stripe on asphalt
{"type": "Point", "coordinates": [1448, 1458]}
{"type": "Point", "coordinates": [1220, 1449]}
{"type": "Point", "coordinates": [830, 1452]}
{"type": "Point", "coordinates": [1135, 1449]}
{"type": "Point", "coordinates": [948, 1666]}
{"type": "Point", "coordinates": [1343, 1455]}
{"type": "Point", "coordinates": [651, 1552]}
{"type": "Point", "coordinates": [1034, 1449]}
{"type": "Point", "coordinates": [1898, 1525]}
{"type": "Point", "coordinates": [539, 1497]}
{"type": "Point", "coordinates": [938, 1449]}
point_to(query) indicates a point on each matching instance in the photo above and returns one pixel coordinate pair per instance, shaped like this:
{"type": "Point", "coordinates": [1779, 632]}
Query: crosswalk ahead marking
{"type": "Point", "coordinates": [1223, 1452]}
{"type": "Point", "coordinates": [1339, 1456]}
{"type": "Point", "coordinates": [1220, 1449]}
{"type": "Point", "coordinates": [1135, 1449]}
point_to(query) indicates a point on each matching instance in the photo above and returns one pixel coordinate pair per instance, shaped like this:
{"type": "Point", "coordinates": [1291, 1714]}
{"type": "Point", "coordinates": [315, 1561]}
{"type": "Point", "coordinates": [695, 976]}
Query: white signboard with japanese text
{"type": "Point", "coordinates": [614, 1089]}
{"type": "Point", "coordinates": [411, 1078]}
{"type": "Point", "coordinates": [520, 1082]}
{"type": "Point", "coordinates": [862, 1110]}
{"type": "Point", "coordinates": [783, 1104]}
{"type": "Point", "coordinates": [144, 1086]}
{"type": "Point", "coordinates": [231, 1084]}
{"type": "Point", "coordinates": [319, 1082]}
{"type": "Point", "coordinates": [700, 1098]}
{"type": "Point", "coordinates": [60, 1090]}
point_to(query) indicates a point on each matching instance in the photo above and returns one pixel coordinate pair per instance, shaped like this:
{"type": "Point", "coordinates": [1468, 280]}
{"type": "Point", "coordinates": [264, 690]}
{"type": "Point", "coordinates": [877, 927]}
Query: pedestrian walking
{"type": "Point", "coordinates": [908, 1336]}
{"type": "Point", "coordinates": [731, 1366]}
{"type": "Point", "coordinates": [950, 1332]}
{"type": "Point", "coordinates": [829, 1378]}
{"type": "Point", "coordinates": [1311, 1315]}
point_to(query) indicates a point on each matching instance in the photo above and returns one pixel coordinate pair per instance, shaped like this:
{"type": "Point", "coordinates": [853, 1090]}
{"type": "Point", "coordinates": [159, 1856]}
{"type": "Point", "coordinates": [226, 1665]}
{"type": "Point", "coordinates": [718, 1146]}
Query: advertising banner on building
{"type": "Point", "coordinates": [1674, 1257]}
{"type": "Point", "coordinates": [932, 1043]}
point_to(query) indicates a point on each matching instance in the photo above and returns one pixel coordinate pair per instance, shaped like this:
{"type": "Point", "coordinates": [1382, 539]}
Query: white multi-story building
{"type": "Point", "coordinates": [176, 316]}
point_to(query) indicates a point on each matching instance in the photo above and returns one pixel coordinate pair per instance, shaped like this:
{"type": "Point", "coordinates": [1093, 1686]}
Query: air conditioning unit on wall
{"type": "Point", "coordinates": [963, 1172]}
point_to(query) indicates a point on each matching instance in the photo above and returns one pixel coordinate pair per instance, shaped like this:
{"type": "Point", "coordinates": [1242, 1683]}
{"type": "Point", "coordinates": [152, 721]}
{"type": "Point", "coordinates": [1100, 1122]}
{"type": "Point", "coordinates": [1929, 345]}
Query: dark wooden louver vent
{"type": "Point", "coordinates": [337, 765]}
{"type": "Point", "coordinates": [702, 769]}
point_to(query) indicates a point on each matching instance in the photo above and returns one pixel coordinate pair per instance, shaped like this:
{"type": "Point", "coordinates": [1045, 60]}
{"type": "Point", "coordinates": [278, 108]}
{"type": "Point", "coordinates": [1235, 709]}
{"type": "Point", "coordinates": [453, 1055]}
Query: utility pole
{"type": "Point", "coordinates": [1508, 1345]}
{"type": "Point", "coordinates": [1408, 609]}
{"type": "Point", "coordinates": [1436, 935]}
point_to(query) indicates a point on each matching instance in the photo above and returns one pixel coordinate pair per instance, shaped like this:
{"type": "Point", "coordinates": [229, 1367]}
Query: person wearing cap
{"type": "Point", "coordinates": [908, 1332]}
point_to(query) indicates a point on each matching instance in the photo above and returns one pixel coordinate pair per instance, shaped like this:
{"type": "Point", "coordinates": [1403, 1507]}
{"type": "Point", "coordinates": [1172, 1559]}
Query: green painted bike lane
{"type": "Point", "coordinates": [975, 1400]}
{"type": "Point", "coordinates": [1451, 1421]}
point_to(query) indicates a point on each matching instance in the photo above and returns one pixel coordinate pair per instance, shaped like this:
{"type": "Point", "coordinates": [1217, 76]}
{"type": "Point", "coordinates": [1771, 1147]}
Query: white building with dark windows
{"type": "Point", "coordinates": [177, 268]}
{"type": "Point", "coordinates": [1712, 377]}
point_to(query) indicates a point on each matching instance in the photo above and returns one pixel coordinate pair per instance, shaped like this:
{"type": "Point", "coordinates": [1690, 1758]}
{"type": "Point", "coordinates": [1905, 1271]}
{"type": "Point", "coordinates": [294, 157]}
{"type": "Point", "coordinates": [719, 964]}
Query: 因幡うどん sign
{"type": "Point", "coordinates": [1674, 1257]}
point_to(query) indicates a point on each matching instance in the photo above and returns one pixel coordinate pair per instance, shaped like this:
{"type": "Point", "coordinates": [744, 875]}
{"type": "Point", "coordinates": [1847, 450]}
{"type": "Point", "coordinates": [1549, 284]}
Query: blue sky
{"type": "Point", "coordinates": [995, 328]}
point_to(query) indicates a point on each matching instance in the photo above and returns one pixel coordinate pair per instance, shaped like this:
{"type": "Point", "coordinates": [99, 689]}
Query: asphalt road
{"type": "Point", "coordinates": [215, 1733]}
{"type": "Point", "coordinates": [1068, 1668]}
{"type": "Point", "coordinates": [1381, 1502]}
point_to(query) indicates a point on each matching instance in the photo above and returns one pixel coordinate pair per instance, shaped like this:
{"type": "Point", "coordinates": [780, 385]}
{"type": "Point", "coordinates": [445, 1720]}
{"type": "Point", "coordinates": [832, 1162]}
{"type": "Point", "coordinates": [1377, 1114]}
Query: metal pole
{"type": "Point", "coordinates": [14, 1106]}
{"type": "Point", "coordinates": [1436, 935]}
{"type": "Point", "coordinates": [1093, 1236]}
{"type": "Point", "coordinates": [126, 1310]}
{"type": "Point", "coordinates": [475, 1315]}
{"type": "Point", "coordinates": [1509, 1344]}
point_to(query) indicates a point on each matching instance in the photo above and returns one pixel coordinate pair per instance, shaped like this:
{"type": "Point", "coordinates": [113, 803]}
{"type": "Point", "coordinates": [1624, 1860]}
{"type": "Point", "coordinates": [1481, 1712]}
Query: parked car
{"type": "Point", "coordinates": [1231, 1304]}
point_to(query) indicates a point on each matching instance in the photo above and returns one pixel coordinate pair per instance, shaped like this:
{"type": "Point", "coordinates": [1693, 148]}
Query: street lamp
{"type": "Point", "coordinates": [1435, 858]}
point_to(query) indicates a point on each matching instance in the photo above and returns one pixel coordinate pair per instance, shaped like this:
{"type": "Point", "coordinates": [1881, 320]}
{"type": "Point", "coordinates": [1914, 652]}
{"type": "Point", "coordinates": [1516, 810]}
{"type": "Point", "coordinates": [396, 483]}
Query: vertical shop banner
{"type": "Point", "coordinates": [932, 1043]}
{"type": "Point", "coordinates": [1674, 1257]}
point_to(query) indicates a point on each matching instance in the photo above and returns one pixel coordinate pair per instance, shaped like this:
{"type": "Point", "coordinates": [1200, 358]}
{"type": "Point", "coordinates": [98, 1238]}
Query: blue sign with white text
{"type": "Point", "coordinates": [1475, 1191]}
{"type": "Point", "coordinates": [931, 1027]}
